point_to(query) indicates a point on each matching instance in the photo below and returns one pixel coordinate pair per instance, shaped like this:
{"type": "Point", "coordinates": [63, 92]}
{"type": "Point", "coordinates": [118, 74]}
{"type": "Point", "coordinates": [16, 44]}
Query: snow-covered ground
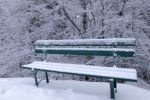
{"type": "Point", "coordinates": [24, 89]}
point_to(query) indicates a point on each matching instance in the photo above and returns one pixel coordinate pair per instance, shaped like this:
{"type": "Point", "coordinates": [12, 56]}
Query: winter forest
{"type": "Point", "coordinates": [22, 22]}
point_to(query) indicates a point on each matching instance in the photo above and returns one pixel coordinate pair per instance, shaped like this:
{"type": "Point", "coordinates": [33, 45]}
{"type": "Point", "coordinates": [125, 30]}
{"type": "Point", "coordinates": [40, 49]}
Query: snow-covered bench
{"type": "Point", "coordinates": [109, 47]}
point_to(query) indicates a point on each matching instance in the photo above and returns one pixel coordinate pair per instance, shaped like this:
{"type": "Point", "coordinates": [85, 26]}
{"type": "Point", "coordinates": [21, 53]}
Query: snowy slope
{"type": "Point", "coordinates": [24, 89]}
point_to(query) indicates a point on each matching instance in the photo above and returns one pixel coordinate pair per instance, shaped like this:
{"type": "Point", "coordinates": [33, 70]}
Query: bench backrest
{"type": "Point", "coordinates": [88, 42]}
{"type": "Point", "coordinates": [111, 47]}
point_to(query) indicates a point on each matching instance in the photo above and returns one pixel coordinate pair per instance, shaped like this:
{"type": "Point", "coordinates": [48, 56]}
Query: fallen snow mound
{"type": "Point", "coordinates": [24, 89]}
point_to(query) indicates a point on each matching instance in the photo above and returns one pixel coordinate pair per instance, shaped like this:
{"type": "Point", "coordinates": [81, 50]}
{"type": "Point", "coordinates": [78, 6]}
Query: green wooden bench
{"type": "Point", "coordinates": [113, 47]}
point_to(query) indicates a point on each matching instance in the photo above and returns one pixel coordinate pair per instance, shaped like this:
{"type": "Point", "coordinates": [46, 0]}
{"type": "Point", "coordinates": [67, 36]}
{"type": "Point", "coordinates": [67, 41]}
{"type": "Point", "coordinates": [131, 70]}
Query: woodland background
{"type": "Point", "coordinates": [22, 22]}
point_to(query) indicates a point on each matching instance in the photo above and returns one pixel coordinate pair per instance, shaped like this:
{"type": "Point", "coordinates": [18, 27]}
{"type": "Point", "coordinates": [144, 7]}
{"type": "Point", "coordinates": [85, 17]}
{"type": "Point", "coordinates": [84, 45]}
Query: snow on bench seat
{"type": "Point", "coordinates": [98, 71]}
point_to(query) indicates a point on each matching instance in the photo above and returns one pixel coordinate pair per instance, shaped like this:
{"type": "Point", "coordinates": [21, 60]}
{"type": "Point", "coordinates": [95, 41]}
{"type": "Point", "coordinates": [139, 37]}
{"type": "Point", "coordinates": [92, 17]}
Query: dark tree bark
{"type": "Point", "coordinates": [85, 20]}
{"type": "Point", "coordinates": [122, 8]}
{"type": "Point", "coordinates": [73, 23]}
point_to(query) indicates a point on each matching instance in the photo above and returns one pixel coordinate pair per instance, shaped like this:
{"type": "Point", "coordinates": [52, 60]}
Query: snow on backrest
{"type": "Point", "coordinates": [88, 42]}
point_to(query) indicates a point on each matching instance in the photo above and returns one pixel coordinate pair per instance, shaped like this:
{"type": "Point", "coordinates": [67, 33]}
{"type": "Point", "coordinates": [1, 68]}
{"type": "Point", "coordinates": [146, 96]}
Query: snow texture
{"type": "Point", "coordinates": [88, 42]}
{"type": "Point", "coordinates": [25, 21]}
{"type": "Point", "coordinates": [112, 72]}
{"type": "Point", "coordinates": [24, 89]}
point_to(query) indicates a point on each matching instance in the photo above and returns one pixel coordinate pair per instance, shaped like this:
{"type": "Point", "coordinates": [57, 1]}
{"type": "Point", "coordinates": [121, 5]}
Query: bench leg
{"type": "Point", "coordinates": [115, 85]}
{"type": "Point", "coordinates": [112, 90]}
{"type": "Point", "coordinates": [46, 74]}
{"type": "Point", "coordinates": [35, 77]}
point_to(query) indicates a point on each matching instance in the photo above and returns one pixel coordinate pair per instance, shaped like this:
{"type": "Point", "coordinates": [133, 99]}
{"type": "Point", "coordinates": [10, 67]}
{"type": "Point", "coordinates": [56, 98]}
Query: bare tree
{"type": "Point", "coordinates": [84, 4]}
{"type": "Point", "coordinates": [122, 8]}
{"type": "Point", "coordinates": [73, 23]}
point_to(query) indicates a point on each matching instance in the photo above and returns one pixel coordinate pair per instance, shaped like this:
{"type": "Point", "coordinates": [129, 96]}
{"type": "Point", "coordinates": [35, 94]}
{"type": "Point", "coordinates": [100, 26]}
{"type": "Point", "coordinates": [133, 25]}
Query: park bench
{"type": "Point", "coordinates": [113, 47]}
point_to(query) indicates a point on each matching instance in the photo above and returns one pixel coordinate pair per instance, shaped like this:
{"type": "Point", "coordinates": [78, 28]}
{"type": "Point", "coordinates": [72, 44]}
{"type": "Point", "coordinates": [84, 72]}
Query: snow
{"type": "Point", "coordinates": [16, 16]}
{"type": "Point", "coordinates": [94, 42]}
{"type": "Point", "coordinates": [85, 69]}
{"type": "Point", "coordinates": [24, 89]}
{"type": "Point", "coordinates": [14, 39]}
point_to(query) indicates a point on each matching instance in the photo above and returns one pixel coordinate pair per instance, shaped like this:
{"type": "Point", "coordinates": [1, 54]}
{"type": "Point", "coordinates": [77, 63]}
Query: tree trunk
{"type": "Point", "coordinates": [84, 16]}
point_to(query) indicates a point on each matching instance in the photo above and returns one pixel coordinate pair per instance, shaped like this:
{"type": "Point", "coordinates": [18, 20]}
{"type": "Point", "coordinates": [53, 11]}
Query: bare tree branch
{"type": "Point", "coordinates": [66, 14]}
{"type": "Point", "coordinates": [123, 6]}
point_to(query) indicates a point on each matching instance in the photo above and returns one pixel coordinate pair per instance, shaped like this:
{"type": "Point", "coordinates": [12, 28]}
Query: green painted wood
{"type": "Point", "coordinates": [121, 53]}
{"type": "Point", "coordinates": [46, 75]}
{"type": "Point", "coordinates": [112, 91]}
{"type": "Point", "coordinates": [88, 42]}
{"type": "Point", "coordinates": [115, 85]}
{"type": "Point", "coordinates": [35, 77]}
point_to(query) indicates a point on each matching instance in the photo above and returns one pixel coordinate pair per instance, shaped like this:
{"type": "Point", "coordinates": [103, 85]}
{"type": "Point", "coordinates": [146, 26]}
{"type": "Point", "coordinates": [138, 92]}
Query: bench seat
{"type": "Point", "coordinates": [78, 69]}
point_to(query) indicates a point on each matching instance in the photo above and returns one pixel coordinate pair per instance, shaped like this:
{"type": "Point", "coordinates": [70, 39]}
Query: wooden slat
{"type": "Point", "coordinates": [96, 71]}
{"type": "Point", "coordinates": [88, 42]}
{"type": "Point", "coordinates": [88, 51]}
